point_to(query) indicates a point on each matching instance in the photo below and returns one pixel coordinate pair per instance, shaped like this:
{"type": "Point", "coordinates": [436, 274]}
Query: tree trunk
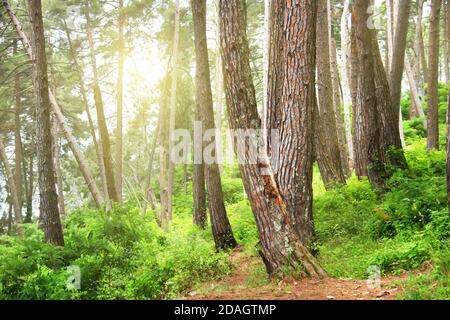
{"type": "Point", "coordinates": [198, 179]}
{"type": "Point", "coordinates": [327, 146]}
{"type": "Point", "coordinates": [119, 134]}
{"type": "Point", "coordinates": [337, 95]}
{"type": "Point", "coordinates": [347, 88]}
{"type": "Point", "coordinates": [57, 166]}
{"type": "Point", "coordinates": [415, 96]}
{"type": "Point", "coordinates": [366, 124]}
{"type": "Point", "coordinates": [29, 214]}
{"type": "Point", "coordinates": [433, 75]}
{"type": "Point", "coordinates": [11, 183]}
{"type": "Point", "coordinates": [103, 129]}
{"type": "Point", "coordinates": [173, 110]}
{"type": "Point", "coordinates": [221, 228]}
{"type": "Point", "coordinates": [97, 144]}
{"type": "Point", "coordinates": [280, 245]}
{"type": "Point", "coordinates": [49, 211]}
{"type": "Point", "coordinates": [398, 56]}
{"type": "Point", "coordinates": [390, 21]}
{"type": "Point", "coordinates": [18, 147]}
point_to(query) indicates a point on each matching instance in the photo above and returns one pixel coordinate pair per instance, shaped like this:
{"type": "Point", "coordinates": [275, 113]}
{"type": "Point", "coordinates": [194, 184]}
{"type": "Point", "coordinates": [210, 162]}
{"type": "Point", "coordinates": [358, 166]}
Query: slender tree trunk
{"type": "Point", "coordinates": [390, 21]}
{"type": "Point", "coordinates": [18, 147]}
{"type": "Point", "coordinates": [219, 94]}
{"type": "Point", "coordinates": [173, 110]}
{"type": "Point", "coordinates": [415, 96]}
{"type": "Point", "coordinates": [198, 179]}
{"type": "Point", "coordinates": [10, 218]}
{"type": "Point", "coordinates": [57, 166]}
{"type": "Point", "coordinates": [279, 242]}
{"type": "Point", "coordinates": [49, 211]}
{"type": "Point", "coordinates": [445, 27]}
{"type": "Point", "coordinates": [221, 228]}
{"type": "Point", "coordinates": [346, 77]}
{"type": "Point", "coordinates": [11, 183]}
{"type": "Point", "coordinates": [103, 129]}
{"type": "Point", "coordinates": [119, 134]}
{"type": "Point", "coordinates": [433, 75]}
{"type": "Point", "coordinates": [447, 13]}
{"type": "Point", "coordinates": [327, 148]}
{"type": "Point", "coordinates": [337, 95]}
{"type": "Point", "coordinates": [29, 214]}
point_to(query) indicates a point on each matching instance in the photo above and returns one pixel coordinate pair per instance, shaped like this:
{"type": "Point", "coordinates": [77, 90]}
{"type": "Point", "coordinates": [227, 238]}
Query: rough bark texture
{"type": "Point", "coordinates": [49, 212]}
{"type": "Point", "coordinates": [291, 101]}
{"type": "Point", "coordinates": [280, 245]}
{"type": "Point", "coordinates": [103, 129]}
{"type": "Point", "coordinates": [433, 77]}
{"type": "Point", "coordinates": [327, 148]}
{"type": "Point", "coordinates": [221, 228]}
{"type": "Point", "coordinates": [119, 129]}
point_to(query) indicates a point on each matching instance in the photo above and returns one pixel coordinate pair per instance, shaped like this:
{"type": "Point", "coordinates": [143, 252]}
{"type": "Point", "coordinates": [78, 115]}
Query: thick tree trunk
{"type": "Point", "coordinates": [280, 244]}
{"type": "Point", "coordinates": [11, 183]}
{"type": "Point", "coordinates": [433, 75]}
{"type": "Point", "coordinates": [103, 129]}
{"type": "Point", "coordinates": [49, 211]}
{"type": "Point", "coordinates": [173, 110]}
{"type": "Point", "coordinates": [221, 228]}
{"type": "Point", "coordinates": [327, 148]}
{"type": "Point", "coordinates": [119, 129]}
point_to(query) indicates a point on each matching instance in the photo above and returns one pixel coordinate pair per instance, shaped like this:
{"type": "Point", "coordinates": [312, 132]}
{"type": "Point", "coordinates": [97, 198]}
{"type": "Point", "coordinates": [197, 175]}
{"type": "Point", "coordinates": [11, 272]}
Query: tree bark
{"type": "Point", "coordinates": [103, 129]}
{"type": "Point", "coordinates": [433, 77]}
{"type": "Point", "coordinates": [280, 245]}
{"type": "Point", "coordinates": [49, 211]}
{"type": "Point", "coordinates": [57, 166]}
{"type": "Point", "coordinates": [221, 228]}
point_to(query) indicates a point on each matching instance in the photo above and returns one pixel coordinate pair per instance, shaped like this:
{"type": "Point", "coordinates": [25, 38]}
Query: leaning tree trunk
{"type": "Point", "coordinates": [49, 211]}
{"type": "Point", "coordinates": [11, 183]}
{"type": "Point", "coordinates": [221, 228]}
{"type": "Point", "coordinates": [280, 244]}
{"type": "Point", "coordinates": [103, 129]}
{"type": "Point", "coordinates": [433, 77]}
{"type": "Point", "coordinates": [97, 143]}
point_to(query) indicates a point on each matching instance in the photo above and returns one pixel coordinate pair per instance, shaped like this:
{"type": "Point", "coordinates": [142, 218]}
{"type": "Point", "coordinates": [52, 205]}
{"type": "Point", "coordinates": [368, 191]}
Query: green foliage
{"type": "Point", "coordinates": [414, 130]}
{"type": "Point", "coordinates": [122, 254]}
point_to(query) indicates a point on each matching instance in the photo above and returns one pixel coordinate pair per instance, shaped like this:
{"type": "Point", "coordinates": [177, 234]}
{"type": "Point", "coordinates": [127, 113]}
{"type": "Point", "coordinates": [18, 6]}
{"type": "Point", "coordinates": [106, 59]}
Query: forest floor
{"type": "Point", "coordinates": [247, 281]}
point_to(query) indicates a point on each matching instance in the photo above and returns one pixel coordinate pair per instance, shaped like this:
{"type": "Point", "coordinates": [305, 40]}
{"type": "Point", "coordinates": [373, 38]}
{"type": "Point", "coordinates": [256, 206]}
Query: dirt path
{"type": "Point", "coordinates": [244, 283]}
